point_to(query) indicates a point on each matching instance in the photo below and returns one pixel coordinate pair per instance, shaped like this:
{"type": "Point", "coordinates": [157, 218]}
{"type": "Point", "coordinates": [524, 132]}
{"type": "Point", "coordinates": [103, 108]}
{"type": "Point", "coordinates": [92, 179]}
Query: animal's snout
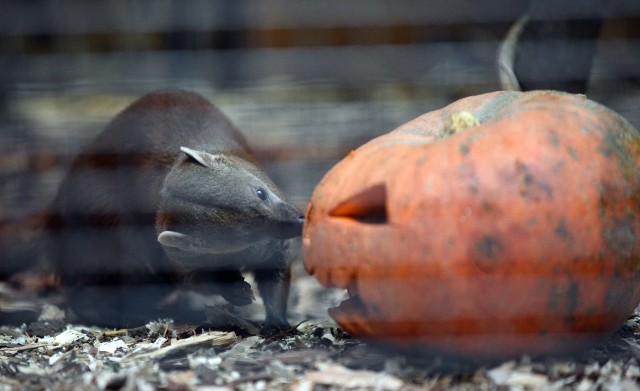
{"type": "Point", "coordinates": [290, 221]}
{"type": "Point", "coordinates": [289, 213]}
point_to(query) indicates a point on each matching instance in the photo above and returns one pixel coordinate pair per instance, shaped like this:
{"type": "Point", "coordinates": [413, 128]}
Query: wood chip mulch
{"type": "Point", "coordinates": [317, 355]}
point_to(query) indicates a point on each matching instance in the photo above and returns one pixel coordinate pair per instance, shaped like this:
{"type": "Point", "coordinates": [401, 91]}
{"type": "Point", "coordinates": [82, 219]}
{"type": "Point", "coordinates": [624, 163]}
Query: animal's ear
{"type": "Point", "coordinates": [205, 158]}
{"type": "Point", "coordinates": [175, 239]}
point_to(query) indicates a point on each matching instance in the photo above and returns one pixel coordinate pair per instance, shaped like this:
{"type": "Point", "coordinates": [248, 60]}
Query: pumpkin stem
{"type": "Point", "coordinates": [459, 121]}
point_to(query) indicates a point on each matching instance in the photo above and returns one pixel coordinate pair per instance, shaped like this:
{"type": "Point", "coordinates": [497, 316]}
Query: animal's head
{"type": "Point", "coordinates": [212, 203]}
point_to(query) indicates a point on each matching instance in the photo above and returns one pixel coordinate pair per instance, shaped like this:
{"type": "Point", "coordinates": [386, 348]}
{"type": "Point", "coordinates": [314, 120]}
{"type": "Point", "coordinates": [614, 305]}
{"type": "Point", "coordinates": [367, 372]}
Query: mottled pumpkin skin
{"type": "Point", "coordinates": [516, 236]}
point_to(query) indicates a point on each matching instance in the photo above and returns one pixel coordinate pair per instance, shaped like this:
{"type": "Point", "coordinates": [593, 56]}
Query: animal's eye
{"type": "Point", "coordinates": [261, 193]}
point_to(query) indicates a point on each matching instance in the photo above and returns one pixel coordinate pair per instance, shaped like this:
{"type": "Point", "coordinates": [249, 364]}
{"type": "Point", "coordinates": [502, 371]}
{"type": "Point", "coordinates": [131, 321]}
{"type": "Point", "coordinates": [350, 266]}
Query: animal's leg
{"type": "Point", "coordinates": [274, 288]}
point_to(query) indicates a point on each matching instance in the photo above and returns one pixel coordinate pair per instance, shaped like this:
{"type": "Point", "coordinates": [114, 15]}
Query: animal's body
{"type": "Point", "coordinates": [169, 193]}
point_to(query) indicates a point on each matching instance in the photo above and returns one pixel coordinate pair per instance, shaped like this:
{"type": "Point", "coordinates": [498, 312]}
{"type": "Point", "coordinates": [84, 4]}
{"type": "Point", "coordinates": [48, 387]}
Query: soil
{"type": "Point", "coordinates": [316, 354]}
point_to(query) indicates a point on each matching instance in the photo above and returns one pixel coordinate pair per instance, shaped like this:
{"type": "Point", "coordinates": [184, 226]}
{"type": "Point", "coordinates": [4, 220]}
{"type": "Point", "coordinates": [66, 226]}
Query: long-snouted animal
{"type": "Point", "coordinates": [170, 193]}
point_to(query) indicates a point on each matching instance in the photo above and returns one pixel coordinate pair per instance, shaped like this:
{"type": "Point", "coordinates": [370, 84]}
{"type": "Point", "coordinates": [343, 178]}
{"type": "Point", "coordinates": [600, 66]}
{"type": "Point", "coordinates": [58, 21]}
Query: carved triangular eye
{"type": "Point", "coordinates": [368, 206]}
{"type": "Point", "coordinates": [205, 158]}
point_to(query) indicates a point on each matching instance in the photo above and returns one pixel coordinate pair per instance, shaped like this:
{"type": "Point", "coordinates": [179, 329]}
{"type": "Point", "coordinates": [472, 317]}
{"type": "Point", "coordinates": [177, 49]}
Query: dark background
{"type": "Point", "coordinates": [306, 81]}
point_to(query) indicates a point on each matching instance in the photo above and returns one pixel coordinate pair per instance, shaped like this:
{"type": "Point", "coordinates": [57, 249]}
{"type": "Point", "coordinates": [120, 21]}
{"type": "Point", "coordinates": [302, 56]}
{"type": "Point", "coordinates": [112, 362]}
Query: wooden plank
{"type": "Point", "coordinates": [82, 17]}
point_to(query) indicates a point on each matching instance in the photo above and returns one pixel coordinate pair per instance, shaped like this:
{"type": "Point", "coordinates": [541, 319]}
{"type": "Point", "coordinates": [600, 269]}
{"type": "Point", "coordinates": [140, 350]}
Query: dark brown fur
{"type": "Point", "coordinates": [133, 187]}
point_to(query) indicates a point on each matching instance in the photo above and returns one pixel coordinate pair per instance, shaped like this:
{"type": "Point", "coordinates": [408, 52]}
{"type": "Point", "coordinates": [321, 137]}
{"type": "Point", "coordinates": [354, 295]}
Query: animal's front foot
{"type": "Point", "coordinates": [280, 329]}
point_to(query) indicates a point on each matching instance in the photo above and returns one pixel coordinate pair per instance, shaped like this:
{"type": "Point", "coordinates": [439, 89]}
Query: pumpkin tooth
{"type": "Point", "coordinates": [368, 206]}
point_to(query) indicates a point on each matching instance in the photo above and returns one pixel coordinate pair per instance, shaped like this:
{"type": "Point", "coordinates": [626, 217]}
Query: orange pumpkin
{"type": "Point", "coordinates": [503, 224]}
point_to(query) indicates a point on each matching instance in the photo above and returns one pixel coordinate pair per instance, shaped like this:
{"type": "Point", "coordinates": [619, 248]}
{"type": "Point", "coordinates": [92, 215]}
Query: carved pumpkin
{"type": "Point", "coordinates": [504, 224]}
